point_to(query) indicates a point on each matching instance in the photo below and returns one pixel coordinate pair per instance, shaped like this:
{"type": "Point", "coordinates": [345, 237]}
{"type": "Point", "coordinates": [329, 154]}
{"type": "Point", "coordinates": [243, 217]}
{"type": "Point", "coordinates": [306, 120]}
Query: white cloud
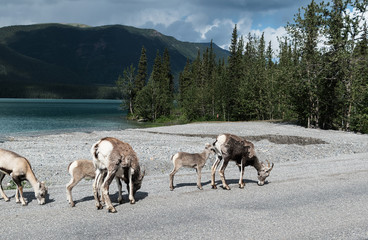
{"type": "Point", "coordinates": [271, 34]}
{"type": "Point", "coordinates": [190, 20]}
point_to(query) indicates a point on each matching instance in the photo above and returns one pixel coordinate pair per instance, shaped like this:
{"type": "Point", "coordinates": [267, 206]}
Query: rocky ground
{"type": "Point", "coordinates": [316, 190]}
{"type": "Point", "coordinates": [276, 142]}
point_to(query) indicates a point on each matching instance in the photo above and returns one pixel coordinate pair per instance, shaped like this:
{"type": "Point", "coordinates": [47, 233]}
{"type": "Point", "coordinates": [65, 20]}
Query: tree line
{"type": "Point", "coordinates": [319, 76]}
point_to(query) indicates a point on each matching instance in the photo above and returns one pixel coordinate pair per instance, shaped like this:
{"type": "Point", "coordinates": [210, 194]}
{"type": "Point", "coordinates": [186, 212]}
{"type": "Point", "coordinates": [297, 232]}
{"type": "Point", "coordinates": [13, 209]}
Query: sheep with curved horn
{"type": "Point", "coordinates": [230, 147]}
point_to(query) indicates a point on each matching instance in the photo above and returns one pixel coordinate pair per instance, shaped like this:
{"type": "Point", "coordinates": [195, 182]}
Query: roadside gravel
{"type": "Point", "coordinates": [317, 188]}
{"type": "Point", "coordinates": [276, 142]}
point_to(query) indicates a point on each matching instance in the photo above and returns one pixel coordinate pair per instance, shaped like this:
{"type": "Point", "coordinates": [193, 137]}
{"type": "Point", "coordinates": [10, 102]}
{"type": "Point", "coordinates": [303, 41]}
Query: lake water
{"type": "Point", "coordinates": [42, 116]}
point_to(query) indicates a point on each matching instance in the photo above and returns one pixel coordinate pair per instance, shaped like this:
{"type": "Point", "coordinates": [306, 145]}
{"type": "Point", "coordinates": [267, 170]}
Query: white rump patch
{"type": "Point", "coordinates": [221, 139]}
{"type": "Point", "coordinates": [105, 148]}
{"type": "Point", "coordinates": [175, 157]}
{"type": "Point", "coordinates": [103, 152]}
{"type": "Point", "coordinates": [72, 166]}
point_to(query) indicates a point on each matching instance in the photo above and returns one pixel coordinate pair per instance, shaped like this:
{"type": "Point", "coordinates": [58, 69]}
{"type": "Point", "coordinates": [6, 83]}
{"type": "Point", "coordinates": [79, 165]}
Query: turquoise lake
{"type": "Point", "coordinates": [43, 116]}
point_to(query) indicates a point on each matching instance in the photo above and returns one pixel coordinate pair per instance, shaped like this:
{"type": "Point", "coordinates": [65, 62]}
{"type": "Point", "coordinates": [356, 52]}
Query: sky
{"type": "Point", "coordinates": [186, 20]}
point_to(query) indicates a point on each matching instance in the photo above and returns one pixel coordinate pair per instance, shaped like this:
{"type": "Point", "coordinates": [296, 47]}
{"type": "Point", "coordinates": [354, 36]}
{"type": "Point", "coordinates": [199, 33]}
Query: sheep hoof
{"type": "Point", "coordinates": [171, 189]}
{"type": "Point", "coordinates": [214, 187]}
{"type": "Point", "coordinates": [112, 210]}
{"type": "Point", "coordinates": [99, 207]}
{"type": "Point", "coordinates": [72, 204]}
{"type": "Point", "coordinates": [132, 201]}
{"type": "Point", "coordinates": [241, 186]}
{"type": "Point", "coordinates": [226, 187]}
{"type": "Point", "coordinates": [200, 188]}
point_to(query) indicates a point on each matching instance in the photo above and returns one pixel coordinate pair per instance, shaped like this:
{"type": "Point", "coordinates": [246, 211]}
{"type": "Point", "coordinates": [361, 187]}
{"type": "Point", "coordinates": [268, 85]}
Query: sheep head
{"type": "Point", "coordinates": [41, 193]}
{"type": "Point", "coordinates": [264, 172]}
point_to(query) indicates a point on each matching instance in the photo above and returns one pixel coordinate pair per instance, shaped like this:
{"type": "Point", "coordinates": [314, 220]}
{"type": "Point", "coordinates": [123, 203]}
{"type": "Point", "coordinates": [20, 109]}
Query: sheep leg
{"type": "Point", "coordinates": [199, 175]}
{"type": "Point", "coordinates": [19, 192]}
{"type": "Point", "coordinates": [120, 197]}
{"type": "Point", "coordinates": [73, 181]}
{"type": "Point", "coordinates": [2, 175]}
{"type": "Point", "coordinates": [97, 187]}
{"type": "Point", "coordinates": [172, 177]}
{"type": "Point", "coordinates": [213, 171]}
{"type": "Point", "coordinates": [105, 189]}
{"type": "Point", "coordinates": [222, 174]}
{"type": "Point", "coordinates": [241, 169]}
{"type": "Point", "coordinates": [131, 197]}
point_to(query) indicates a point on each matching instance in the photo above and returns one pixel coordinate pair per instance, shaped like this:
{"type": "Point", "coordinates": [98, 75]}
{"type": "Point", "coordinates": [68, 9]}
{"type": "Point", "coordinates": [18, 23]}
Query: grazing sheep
{"type": "Point", "coordinates": [83, 168]}
{"type": "Point", "coordinates": [233, 148]}
{"type": "Point", "coordinates": [20, 169]}
{"type": "Point", "coordinates": [113, 157]}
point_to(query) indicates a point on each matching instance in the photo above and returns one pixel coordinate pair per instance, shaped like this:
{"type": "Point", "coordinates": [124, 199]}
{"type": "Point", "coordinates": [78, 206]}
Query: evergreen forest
{"type": "Point", "coordinates": [318, 77]}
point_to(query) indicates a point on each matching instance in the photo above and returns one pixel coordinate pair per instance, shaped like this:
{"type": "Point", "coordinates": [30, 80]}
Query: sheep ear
{"type": "Point", "coordinates": [271, 167]}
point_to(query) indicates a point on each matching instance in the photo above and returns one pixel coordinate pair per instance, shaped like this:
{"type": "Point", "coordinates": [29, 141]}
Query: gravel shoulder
{"type": "Point", "coordinates": [316, 190]}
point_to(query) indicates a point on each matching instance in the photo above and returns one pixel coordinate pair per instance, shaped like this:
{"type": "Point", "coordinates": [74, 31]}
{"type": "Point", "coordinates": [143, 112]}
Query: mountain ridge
{"type": "Point", "coordinates": [78, 55]}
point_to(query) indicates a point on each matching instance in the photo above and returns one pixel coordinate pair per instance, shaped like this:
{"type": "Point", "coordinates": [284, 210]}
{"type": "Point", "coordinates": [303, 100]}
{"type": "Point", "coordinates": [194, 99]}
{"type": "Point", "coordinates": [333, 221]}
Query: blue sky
{"type": "Point", "coordinates": [186, 20]}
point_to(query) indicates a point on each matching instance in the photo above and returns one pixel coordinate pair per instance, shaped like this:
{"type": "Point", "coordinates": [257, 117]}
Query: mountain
{"type": "Point", "coordinates": [78, 61]}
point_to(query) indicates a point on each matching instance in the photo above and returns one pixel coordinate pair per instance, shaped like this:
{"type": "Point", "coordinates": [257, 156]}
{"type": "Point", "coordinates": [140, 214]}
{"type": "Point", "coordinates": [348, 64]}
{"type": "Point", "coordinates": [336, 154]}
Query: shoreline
{"type": "Point", "coordinates": [50, 154]}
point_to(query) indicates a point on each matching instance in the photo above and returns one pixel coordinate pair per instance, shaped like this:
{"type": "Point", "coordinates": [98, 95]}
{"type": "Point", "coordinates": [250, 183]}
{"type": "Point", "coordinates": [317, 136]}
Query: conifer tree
{"type": "Point", "coordinates": [125, 85]}
{"type": "Point", "coordinates": [211, 76]}
{"type": "Point", "coordinates": [270, 95]}
{"type": "Point", "coordinates": [232, 103]}
{"type": "Point", "coordinates": [220, 91]}
{"type": "Point", "coordinates": [285, 81]}
{"type": "Point", "coordinates": [306, 32]}
{"type": "Point", "coordinates": [166, 85]}
{"type": "Point", "coordinates": [188, 93]}
{"type": "Point", "coordinates": [141, 78]}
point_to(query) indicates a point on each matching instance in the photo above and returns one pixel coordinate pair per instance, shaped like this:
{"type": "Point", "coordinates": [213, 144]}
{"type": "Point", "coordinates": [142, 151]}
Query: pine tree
{"type": "Point", "coordinates": [285, 81]}
{"type": "Point", "coordinates": [355, 83]}
{"type": "Point", "coordinates": [141, 78]}
{"type": "Point", "coordinates": [248, 86]}
{"type": "Point", "coordinates": [220, 91]}
{"type": "Point", "coordinates": [166, 85]}
{"type": "Point", "coordinates": [306, 32]}
{"type": "Point", "coordinates": [144, 105]}
{"type": "Point", "coordinates": [188, 92]}
{"type": "Point", "coordinates": [125, 84]}
{"type": "Point", "coordinates": [270, 95]}
{"type": "Point", "coordinates": [233, 104]}
{"type": "Point", "coordinates": [335, 66]}
{"type": "Point", "coordinates": [211, 76]}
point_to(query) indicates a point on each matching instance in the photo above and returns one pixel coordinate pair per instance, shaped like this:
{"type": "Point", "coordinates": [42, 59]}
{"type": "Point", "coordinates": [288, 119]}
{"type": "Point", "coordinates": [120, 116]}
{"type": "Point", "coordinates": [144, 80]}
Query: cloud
{"type": "Point", "coordinates": [271, 35]}
{"type": "Point", "coordinates": [190, 20]}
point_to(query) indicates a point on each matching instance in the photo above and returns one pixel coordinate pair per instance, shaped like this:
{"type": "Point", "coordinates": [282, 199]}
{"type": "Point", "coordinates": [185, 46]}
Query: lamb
{"type": "Point", "coordinates": [78, 170]}
{"type": "Point", "coordinates": [113, 157]}
{"type": "Point", "coordinates": [230, 147]}
{"type": "Point", "coordinates": [191, 160]}
{"type": "Point", "coordinates": [20, 169]}
{"type": "Point", "coordinates": [83, 168]}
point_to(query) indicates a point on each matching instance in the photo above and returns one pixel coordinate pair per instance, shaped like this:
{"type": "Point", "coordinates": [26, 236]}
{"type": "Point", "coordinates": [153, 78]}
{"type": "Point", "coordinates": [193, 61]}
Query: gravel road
{"type": "Point", "coordinates": [317, 189]}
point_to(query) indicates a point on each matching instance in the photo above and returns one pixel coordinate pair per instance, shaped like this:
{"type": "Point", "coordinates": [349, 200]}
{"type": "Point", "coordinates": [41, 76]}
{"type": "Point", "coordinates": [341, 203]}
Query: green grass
{"type": "Point", "coordinates": [13, 185]}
